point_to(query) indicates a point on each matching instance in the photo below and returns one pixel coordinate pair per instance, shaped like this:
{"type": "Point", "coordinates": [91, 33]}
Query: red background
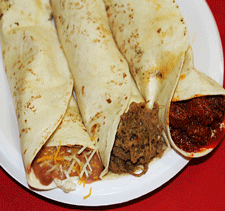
{"type": "Point", "coordinates": [199, 186]}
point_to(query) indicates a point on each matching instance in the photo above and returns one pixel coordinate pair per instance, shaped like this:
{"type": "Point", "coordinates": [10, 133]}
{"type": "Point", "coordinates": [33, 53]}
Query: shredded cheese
{"type": "Point", "coordinates": [81, 181]}
{"type": "Point", "coordinates": [44, 158]}
{"type": "Point", "coordinates": [44, 163]}
{"type": "Point", "coordinates": [71, 167]}
{"type": "Point", "coordinates": [87, 162]}
{"type": "Point", "coordinates": [76, 168]}
{"type": "Point", "coordinates": [72, 164]}
{"type": "Point", "coordinates": [88, 153]}
{"type": "Point", "coordinates": [51, 169]}
{"type": "Point", "coordinates": [47, 157]}
{"type": "Point", "coordinates": [55, 160]}
{"type": "Point", "coordinates": [82, 149]}
{"type": "Point", "coordinates": [60, 168]}
{"type": "Point", "coordinates": [75, 158]}
{"type": "Point", "coordinates": [85, 197]}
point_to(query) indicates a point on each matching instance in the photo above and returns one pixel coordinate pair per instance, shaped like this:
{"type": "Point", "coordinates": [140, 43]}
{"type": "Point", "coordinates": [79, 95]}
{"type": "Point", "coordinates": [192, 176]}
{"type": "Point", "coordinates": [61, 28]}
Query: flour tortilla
{"type": "Point", "coordinates": [103, 84]}
{"type": "Point", "coordinates": [152, 36]}
{"type": "Point", "coordinates": [40, 82]}
{"type": "Point", "coordinates": [193, 83]}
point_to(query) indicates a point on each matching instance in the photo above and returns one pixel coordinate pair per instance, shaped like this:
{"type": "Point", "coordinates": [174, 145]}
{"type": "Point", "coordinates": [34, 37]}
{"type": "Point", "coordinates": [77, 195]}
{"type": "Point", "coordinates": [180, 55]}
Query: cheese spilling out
{"type": "Point", "coordinates": [66, 166]}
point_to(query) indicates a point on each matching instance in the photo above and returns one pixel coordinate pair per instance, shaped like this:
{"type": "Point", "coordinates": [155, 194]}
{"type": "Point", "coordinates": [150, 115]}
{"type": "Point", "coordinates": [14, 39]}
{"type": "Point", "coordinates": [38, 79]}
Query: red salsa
{"type": "Point", "coordinates": [197, 123]}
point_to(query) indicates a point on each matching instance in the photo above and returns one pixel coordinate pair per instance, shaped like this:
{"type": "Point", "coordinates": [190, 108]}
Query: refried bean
{"type": "Point", "coordinates": [138, 140]}
{"type": "Point", "coordinates": [45, 161]}
{"type": "Point", "coordinates": [194, 123]}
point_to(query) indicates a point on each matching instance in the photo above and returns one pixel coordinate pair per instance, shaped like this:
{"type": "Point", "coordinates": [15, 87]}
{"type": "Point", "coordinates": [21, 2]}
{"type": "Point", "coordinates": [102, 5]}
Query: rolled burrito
{"type": "Point", "coordinates": [152, 36]}
{"type": "Point", "coordinates": [127, 133]}
{"type": "Point", "coordinates": [197, 113]}
{"type": "Point", "coordinates": [55, 145]}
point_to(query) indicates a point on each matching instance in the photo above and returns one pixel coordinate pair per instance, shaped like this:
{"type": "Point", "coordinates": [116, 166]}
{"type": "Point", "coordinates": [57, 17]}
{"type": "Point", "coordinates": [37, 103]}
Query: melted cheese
{"type": "Point", "coordinates": [73, 164]}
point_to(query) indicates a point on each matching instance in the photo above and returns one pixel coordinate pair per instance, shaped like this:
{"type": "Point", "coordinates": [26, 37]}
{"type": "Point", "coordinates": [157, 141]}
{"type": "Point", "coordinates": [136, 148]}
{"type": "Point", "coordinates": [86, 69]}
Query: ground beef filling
{"type": "Point", "coordinates": [197, 122]}
{"type": "Point", "coordinates": [138, 140]}
{"type": "Point", "coordinates": [47, 166]}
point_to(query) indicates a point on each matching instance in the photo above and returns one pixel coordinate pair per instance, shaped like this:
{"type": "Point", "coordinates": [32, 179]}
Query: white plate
{"type": "Point", "coordinates": [208, 56]}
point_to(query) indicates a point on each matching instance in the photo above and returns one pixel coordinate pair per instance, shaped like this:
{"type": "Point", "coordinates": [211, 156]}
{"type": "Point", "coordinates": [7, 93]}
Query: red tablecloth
{"type": "Point", "coordinates": [199, 186]}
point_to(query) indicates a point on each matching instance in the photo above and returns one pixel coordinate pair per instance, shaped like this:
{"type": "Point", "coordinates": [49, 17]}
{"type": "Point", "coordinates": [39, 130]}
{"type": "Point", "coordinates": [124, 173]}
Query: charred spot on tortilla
{"type": "Point", "coordinates": [95, 129]}
{"type": "Point", "coordinates": [159, 74]}
{"type": "Point", "coordinates": [66, 162]}
{"type": "Point", "coordinates": [5, 5]}
{"type": "Point", "coordinates": [138, 140]}
{"type": "Point", "coordinates": [109, 100]}
{"type": "Point", "coordinates": [197, 123]}
{"type": "Point", "coordinates": [83, 89]}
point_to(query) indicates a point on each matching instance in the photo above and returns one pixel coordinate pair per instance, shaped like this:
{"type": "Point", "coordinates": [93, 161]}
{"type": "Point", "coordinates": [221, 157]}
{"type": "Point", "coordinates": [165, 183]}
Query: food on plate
{"type": "Point", "coordinates": [123, 128]}
{"type": "Point", "coordinates": [197, 112]}
{"type": "Point", "coordinates": [55, 145]}
{"type": "Point", "coordinates": [153, 37]}
{"type": "Point", "coordinates": [136, 141]}
{"type": "Point", "coordinates": [126, 131]}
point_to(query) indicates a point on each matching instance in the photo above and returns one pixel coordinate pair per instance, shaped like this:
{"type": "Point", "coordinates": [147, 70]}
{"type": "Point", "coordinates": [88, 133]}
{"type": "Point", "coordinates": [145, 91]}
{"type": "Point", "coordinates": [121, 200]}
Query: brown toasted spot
{"type": "Point", "coordinates": [36, 97]}
{"type": "Point", "coordinates": [159, 74]}
{"type": "Point", "coordinates": [82, 90]}
{"type": "Point", "coordinates": [96, 116]}
{"type": "Point", "coordinates": [96, 40]}
{"type": "Point", "coordinates": [177, 98]}
{"type": "Point", "coordinates": [35, 151]}
{"type": "Point", "coordinates": [25, 130]}
{"type": "Point", "coordinates": [28, 170]}
{"type": "Point", "coordinates": [182, 76]}
{"type": "Point", "coordinates": [95, 128]}
{"type": "Point", "coordinates": [109, 100]}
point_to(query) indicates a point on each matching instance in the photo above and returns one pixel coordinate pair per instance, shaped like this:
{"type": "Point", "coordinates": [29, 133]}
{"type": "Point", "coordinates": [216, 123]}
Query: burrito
{"type": "Point", "coordinates": [153, 37]}
{"type": "Point", "coordinates": [197, 113]}
{"type": "Point", "coordinates": [126, 132]}
{"type": "Point", "coordinates": [55, 145]}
